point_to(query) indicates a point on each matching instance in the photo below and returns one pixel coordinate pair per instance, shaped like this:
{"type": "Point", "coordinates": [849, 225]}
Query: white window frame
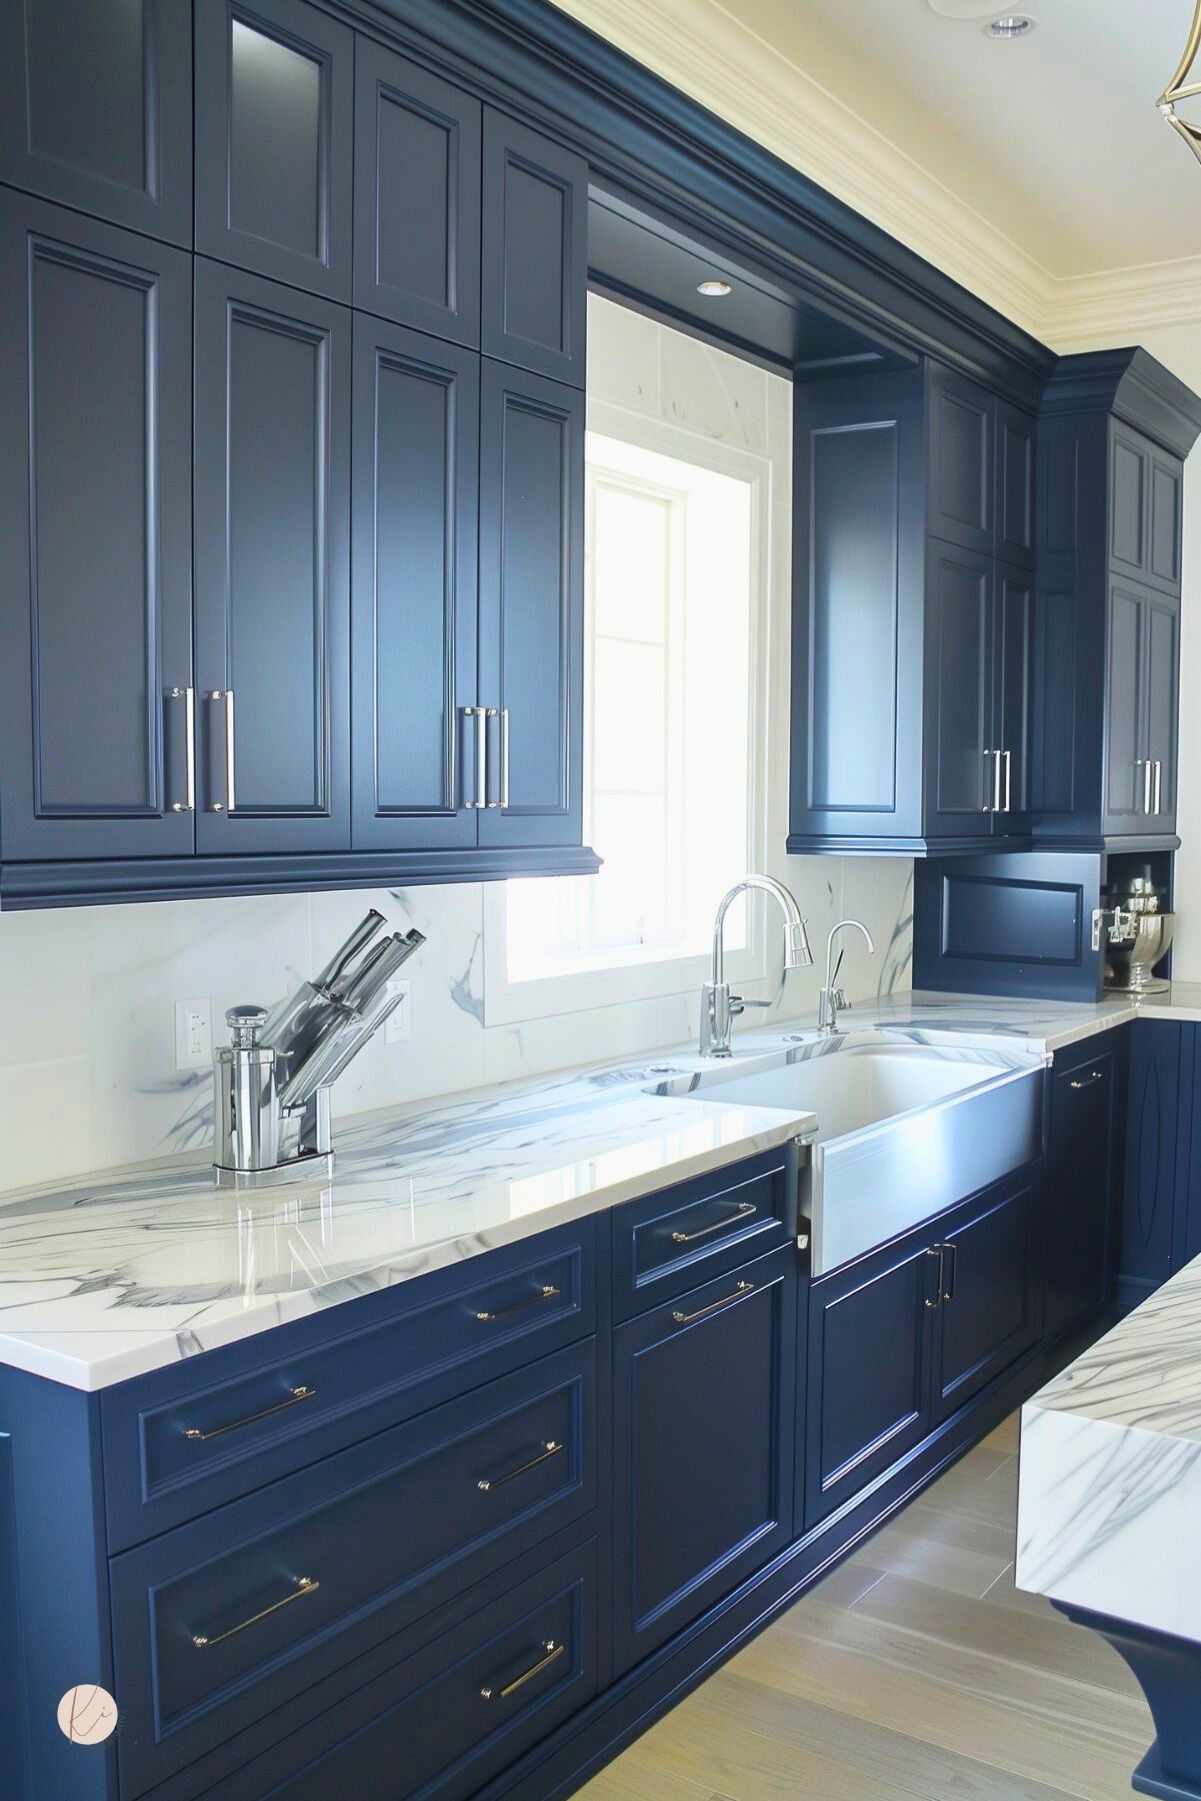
{"type": "Point", "coordinates": [630, 978]}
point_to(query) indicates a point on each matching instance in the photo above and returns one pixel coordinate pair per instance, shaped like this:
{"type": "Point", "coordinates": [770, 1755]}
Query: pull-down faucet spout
{"type": "Point", "coordinates": [719, 1008]}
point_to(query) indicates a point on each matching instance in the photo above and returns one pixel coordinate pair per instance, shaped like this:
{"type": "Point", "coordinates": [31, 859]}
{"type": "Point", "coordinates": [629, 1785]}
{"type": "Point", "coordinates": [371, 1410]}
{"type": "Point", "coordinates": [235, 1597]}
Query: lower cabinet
{"type": "Point", "coordinates": [903, 1337]}
{"type": "Point", "coordinates": [703, 1422]}
{"type": "Point", "coordinates": [1084, 1175]}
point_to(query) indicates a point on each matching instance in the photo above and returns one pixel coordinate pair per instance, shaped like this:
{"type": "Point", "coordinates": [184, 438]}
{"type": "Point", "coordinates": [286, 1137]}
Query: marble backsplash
{"type": "Point", "coordinates": [87, 1028]}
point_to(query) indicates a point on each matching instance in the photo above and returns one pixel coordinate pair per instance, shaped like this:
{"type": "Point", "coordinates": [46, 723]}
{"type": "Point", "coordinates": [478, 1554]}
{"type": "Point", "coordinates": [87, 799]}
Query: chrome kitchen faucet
{"type": "Point", "coordinates": [719, 1008]}
{"type": "Point", "coordinates": [833, 999]}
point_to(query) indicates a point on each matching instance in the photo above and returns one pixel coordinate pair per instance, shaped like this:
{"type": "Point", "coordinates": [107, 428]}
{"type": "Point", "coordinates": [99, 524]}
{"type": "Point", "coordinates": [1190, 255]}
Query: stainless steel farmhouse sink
{"type": "Point", "coordinates": [904, 1130]}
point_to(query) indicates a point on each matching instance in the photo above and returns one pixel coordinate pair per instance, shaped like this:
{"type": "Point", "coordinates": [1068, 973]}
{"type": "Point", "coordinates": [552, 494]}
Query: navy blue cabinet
{"type": "Point", "coordinates": [535, 251]}
{"type": "Point", "coordinates": [961, 479]}
{"type": "Point", "coordinates": [275, 141]}
{"type": "Point", "coordinates": [1084, 1179]}
{"type": "Point", "coordinates": [1153, 1118]}
{"type": "Point", "coordinates": [703, 1421]}
{"type": "Point", "coordinates": [272, 566]}
{"type": "Point", "coordinates": [96, 109]}
{"type": "Point", "coordinates": [417, 196]}
{"type": "Point", "coordinates": [963, 765]}
{"type": "Point", "coordinates": [96, 678]}
{"type": "Point", "coordinates": [990, 1284]}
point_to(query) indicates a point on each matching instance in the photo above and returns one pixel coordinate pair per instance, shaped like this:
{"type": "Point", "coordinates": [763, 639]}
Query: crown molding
{"type": "Point", "coordinates": [702, 49]}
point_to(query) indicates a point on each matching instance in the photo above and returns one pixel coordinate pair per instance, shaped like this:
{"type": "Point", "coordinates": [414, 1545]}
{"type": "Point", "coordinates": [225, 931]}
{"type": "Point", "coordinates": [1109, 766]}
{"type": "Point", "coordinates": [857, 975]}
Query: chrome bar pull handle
{"type": "Point", "coordinates": [305, 1585]}
{"type": "Point", "coordinates": [1008, 755]}
{"type": "Point", "coordinates": [686, 1319]}
{"type": "Point", "coordinates": [504, 757]}
{"type": "Point", "coordinates": [1096, 1076]}
{"type": "Point", "coordinates": [550, 1448]}
{"type": "Point", "coordinates": [548, 1292]}
{"type": "Point", "coordinates": [489, 713]}
{"type": "Point", "coordinates": [226, 696]}
{"type": "Point", "coordinates": [935, 1251]}
{"type": "Point", "coordinates": [744, 1209]}
{"type": "Point", "coordinates": [986, 808]}
{"type": "Point", "coordinates": [948, 1282]}
{"type": "Point", "coordinates": [553, 1652]}
{"type": "Point", "coordinates": [188, 696]}
{"type": "Point", "coordinates": [1145, 766]}
{"type": "Point", "coordinates": [476, 714]}
{"type": "Point", "coordinates": [1158, 786]}
{"type": "Point", "coordinates": [198, 1436]}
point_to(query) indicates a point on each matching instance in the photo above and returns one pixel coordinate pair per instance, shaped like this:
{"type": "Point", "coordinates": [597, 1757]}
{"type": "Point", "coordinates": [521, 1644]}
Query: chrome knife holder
{"type": "Point", "coordinates": [272, 1081]}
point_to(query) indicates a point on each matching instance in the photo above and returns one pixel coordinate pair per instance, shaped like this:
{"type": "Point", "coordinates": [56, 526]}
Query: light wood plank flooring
{"type": "Point", "coordinates": [915, 1669]}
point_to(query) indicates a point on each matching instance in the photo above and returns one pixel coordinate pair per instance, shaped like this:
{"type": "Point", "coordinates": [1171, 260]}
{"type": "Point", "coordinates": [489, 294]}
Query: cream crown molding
{"type": "Point", "coordinates": [699, 47]}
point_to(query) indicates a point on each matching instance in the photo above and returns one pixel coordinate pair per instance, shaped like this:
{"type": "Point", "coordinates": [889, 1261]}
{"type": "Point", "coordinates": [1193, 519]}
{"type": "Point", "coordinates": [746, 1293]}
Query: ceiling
{"type": "Point", "coordinates": [1054, 139]}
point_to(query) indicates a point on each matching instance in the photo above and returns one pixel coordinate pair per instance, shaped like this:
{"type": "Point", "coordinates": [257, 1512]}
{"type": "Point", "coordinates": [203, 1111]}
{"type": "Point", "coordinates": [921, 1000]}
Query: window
{"type": "Point", "coordinates": [676, 622]}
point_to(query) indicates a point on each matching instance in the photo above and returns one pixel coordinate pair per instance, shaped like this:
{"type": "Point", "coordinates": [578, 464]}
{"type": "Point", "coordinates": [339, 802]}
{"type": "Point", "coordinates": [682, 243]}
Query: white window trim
{"type": "Point", "coordinates": [631, 977]}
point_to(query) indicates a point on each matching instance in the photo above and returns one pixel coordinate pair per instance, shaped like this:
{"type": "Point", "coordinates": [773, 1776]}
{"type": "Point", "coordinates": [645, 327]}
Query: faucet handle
{"type": "Point", "coordinates": [245, 1023]}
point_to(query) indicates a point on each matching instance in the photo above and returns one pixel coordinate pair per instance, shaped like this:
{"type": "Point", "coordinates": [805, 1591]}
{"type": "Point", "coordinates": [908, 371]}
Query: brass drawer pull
{"type": "Point", "coordinates": [686, 1319]}
{"type": "Point", "coordinates": [550, 1448]}
{"type": "Point", "coordinates": [305, 1585]}
{"type": "Point", "coordinates": [553, 1651]}
{"type": "Point", "coordinates": [297, 1395]}
{"type": "Point", "coordinates": [745, 1209]}
{"type": "Point", "coordinates": [546, 1293]}
{"type": "Point", "coordinates": [1096, 1076]}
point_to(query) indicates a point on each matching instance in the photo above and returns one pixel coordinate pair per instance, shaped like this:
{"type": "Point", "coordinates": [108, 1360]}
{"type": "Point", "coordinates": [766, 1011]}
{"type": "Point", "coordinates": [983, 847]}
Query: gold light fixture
{"type": "Point", "coordinates": [1180, 88]}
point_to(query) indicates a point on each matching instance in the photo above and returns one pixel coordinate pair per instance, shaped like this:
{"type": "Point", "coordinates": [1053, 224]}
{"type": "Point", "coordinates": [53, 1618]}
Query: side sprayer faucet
{"type": "Point", "coordinates": [832, 998]}
{"type": "Point", "coordinates": [719, 1008]}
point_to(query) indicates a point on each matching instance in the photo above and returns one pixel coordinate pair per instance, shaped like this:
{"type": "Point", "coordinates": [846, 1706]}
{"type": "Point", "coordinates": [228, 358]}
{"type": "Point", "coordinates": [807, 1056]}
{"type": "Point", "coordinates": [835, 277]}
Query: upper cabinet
{"type": "Point", "coordinates": [913, 615]}
{"type": "Point", "coordinates": [417, 197]}
{"type": "Point", "coordinates": [96, 109]}
{"type": "Point", "coordinates": [275, 141]}
{"type": "Point", "coordinates": [1113, 433]}
{"type": "Point", "coordinates": [535, 259]}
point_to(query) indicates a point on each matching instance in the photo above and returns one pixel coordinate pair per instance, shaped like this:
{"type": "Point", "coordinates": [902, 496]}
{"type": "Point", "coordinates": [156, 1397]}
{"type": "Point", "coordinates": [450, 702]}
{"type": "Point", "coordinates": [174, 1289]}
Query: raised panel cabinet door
{"type": "Point", "coordinates": [990, 1302]}
{"type": "Point", "coordinates": [1015, 484]}
{"type": "Point", "coordinates": [1166, 493]}
{"type": "Point", "coordinates": [1149, 1203]}
{"type": "Point", "coordinates": [272, 561]}
{"type": "Point", "coordinates": [96, 108]}
{"type": "Point", "coordinates": [531, 664]}
{"type": "Point", "coordinates": [1162, 708]}
{"type": "Point", "coordinates": [1127, 786]}
{"type": "Point", "coordinates": [963, 780]}
{"type": "Point", "coordinates": [1013, 694]}
{"type": "Point", "coordinates": [961, 450]}
{"type": "Point", "coordinates": [96, 522]}
{"type": "Point", "coordinates": [417, 196]}
{"type": "Point", "coordinates": [415, 523]}
{"type": "Point", "coordinates": [535, 251]}
{"type": "Point", "coordinates": [275, 141]}
{"type": "Point", "coordinates": [1079, 1190]}
{"type": "Point", "coordinates": [704, 1403]}
{"type": "Point", "coordinates": [868, 1395]}
{"type": "Point", "coordinates": [1129, 501]}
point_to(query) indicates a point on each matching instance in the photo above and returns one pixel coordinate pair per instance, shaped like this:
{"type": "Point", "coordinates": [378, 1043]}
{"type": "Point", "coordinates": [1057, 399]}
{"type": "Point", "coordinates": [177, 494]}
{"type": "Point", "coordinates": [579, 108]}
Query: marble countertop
{"type": "Point", "coordinates": [1110, 1471]}
{"type": "Point", "coordinates": [123, 1271]}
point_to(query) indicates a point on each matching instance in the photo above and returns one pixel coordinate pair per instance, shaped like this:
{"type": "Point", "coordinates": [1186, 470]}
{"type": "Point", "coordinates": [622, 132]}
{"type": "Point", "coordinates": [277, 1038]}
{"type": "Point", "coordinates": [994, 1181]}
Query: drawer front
{"type": "Point", "coordinates": [445, 1718]}
{"type": "Point", "coordinates": [186, 1439]}
{"type": "Point", "coordinates": [671, 1241]}
{"type": "Point", "coordinates": [222, 1620]}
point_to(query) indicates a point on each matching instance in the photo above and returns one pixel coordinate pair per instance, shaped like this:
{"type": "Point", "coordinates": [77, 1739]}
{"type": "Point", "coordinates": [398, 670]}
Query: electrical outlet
{"type": "Point", "coordinates": [193, 1034]}
{"type": "Point", "coordinates": [398, 1027]}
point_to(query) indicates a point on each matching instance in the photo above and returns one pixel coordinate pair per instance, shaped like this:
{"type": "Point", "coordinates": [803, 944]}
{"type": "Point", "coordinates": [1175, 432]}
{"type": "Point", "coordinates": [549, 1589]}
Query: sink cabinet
{"type": "Point", "coordinates": [1084, 1179]}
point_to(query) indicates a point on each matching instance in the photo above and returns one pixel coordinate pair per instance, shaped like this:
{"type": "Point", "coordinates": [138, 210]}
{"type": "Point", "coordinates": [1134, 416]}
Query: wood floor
{"type": "Point", "coordinates": [914, 1669]}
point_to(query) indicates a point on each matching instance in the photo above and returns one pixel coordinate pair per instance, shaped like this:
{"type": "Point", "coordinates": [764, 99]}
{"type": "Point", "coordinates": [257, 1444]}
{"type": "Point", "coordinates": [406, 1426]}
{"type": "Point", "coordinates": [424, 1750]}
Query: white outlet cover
{"type": "Point", "coordinates": [398, 1027]}
{"type": "Point", "coordinates": [193, 1034]}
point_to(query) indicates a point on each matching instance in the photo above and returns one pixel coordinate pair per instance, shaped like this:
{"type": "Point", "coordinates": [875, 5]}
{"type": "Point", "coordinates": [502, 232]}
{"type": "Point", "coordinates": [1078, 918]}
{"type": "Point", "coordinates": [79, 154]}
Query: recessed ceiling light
{"type": "Point", "coordinates": [1010, 26]}
{"type": "Point", "coordinates": [714, 290]}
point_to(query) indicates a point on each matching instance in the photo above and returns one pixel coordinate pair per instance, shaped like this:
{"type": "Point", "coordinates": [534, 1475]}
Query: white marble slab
{"type": "Point", "coordinates": [1110, 1472]}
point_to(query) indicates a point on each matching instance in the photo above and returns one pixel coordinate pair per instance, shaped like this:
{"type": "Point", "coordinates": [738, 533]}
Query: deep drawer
{"type": "Point", "coordinates": [185, 1439]}
{"type": "Point", "coordinates": [425, 1725]}
{"type": "Point", "coordinates": [222, 1620]}
{"type": "Point", "coordinates": [673, 1240]}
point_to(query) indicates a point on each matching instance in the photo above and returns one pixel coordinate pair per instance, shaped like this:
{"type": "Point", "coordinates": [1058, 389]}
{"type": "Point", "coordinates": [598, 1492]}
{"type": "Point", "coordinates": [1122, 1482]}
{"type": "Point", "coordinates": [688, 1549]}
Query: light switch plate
{"type": "Point", "coordinates": [398, 1027]}
{"type": "Point", "coordinates": [193, 1034]}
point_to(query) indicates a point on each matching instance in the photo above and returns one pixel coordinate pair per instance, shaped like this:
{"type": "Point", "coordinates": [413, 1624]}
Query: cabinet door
{"type": "Point", "coordinates": [960, 475]}
{"type": "Point", "coordinates": [1013, 632]}
{"type": "Point", "coordinates": [1161, 707]}
{"type": "Point", "coordinates": [416, 444]}
{"type": "Point", "coordinates": [1129, 500]}
{"type": "Point", "coordinates": [1165, 494]}
{"type": "Point", "coordinates": [1149, 1203]}
{"type": "Point", "coordinates": [1015, 485]}
{"type": "Point", "coordinates": [96, 522]}
{"type": "Point", "coordinates": [990, 1302]}
{"type": "Point", "coordinates": [535, 258]}
{"type": "Point", "coordinates": [1080, 1190]}
{"type": "Point", "coordinates": [868, 1369]}
{"type": "Point", "coordinates": [703, 1422]}
{"type": "Point", "coordinates": [531, 607]}
{"type": "Point", "coordinates": [275, 141]}
{"type": "Point", "coordinates": [417, 196]}
{"type": "Point", "coordinates": [272, 565]}
{"type": "Point", "coordinates": [1126, 785]}
{"type": "Point", "coordinates": [961, 773]}
{"type": "Point", "coordinates": [96, 108]}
